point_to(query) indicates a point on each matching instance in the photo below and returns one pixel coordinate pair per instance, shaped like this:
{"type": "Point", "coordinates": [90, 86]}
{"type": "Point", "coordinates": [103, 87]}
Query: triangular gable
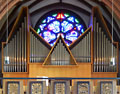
{"type": "Point", "coordinates": [99, 18]}
{"type": "Point", "coordinates": [22, 16]}
{"type": "Point", "coordinates": [59, 43]}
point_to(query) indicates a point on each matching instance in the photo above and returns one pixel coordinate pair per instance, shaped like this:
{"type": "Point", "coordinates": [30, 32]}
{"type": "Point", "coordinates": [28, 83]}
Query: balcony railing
{"type": "Point", "coordinates": [45, 85]}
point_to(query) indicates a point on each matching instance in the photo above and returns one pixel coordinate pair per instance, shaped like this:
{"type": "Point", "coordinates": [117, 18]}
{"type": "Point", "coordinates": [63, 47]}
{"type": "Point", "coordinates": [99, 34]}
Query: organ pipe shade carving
{"type": "Point", "coordinates": [36, 87]}
{"type": "Point", "coordinates": [83, 88]}
{"type": "Point", "coordinates": [13, 88]}
{"type": "Point", "coordinates": [106, 87]}
{"type": "Point", "coordinates": [60, 87]}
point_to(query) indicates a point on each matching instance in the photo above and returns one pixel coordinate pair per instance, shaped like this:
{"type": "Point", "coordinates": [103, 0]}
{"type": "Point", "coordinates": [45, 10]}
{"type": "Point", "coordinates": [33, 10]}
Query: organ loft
{"type": "Point", "coordinates": [61, 39]}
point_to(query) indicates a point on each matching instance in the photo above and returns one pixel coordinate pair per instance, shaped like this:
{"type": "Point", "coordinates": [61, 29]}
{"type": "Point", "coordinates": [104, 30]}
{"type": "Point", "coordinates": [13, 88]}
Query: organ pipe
{"type": "Point", "coordinates": [14, 50]}
{"type": "Point", "coordinates": [104, 59]}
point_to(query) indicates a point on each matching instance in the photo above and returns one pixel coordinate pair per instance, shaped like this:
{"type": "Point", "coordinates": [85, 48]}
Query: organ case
{"type": "Point", "coordinates": [14, 50]}
{"type": "Point", "coordinates": [88, 50]}
{"type": "Point", "coordinates": [105, 49]}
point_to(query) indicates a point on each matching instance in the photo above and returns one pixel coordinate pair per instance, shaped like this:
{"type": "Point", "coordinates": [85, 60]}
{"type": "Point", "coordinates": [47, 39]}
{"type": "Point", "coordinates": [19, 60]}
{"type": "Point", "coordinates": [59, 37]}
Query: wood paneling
{"type": "Point", "coordinates": [82, 70]}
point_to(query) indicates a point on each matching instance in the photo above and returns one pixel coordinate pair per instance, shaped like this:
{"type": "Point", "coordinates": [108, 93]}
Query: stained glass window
{"type": "Point", "coordinates": [64, 24]}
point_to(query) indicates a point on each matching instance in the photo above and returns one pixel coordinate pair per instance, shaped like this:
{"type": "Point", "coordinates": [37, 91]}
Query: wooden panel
{"type": "Point", "coordinates": [104, 74]}
{"type": "Point", "coordinates": [82, 70]}
{"type": "Point", "coordinates": [15, 74]}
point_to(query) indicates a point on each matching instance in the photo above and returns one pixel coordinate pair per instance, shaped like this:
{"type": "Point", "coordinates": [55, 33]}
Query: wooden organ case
{"type": "Point", "coordinates": [26, 54]}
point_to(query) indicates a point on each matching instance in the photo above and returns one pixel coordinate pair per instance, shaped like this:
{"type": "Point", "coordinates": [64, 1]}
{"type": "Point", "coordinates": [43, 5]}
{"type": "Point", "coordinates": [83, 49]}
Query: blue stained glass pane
{"type": "Point", "coordinates": [58, 35]}
{"type": "Point", "coordinates": [62, 35]}
{"type": "Point", "coordinates": [38, 30]}
{"type": "Point", "coordinates": [71, 19]}
{"type": "Point", "coordinates": [76, 20]}
{"type": "Point", "coordinates": [67, 43]}
{"type": "Point", "coordinates": [66, 26]}
{"type": "Point", "coordinates": [72, 36]}
{"type": "Point", "coordinates": [66, 15]}
{"type": "Point", "coordinates": [54, 15]}
{"type": "Point", "coordinates": [44, 21]}
{"type": "Point", "coordinates": [54, 26]}
{"type": "Point", "coordinates": [42, 26]}
{"type": "Point", "coordinates": [78, 26]}
{"type": "Point", "coordinates": [50, 19]}
{"type": "Point", "coordinates": [48, 36]}
{"type": "Point", "coordinates": [52, 43]}
{"type": "Point", "coordinates": [82, 30]}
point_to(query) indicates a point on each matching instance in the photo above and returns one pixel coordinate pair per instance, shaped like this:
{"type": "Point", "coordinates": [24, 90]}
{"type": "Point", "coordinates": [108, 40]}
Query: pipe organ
{"type": "Point", "coordinates": [14, 50]}
{"type": "Point", "coordinates": [105, 51]}
{"type": "Point", "coordinates": [91, 53]}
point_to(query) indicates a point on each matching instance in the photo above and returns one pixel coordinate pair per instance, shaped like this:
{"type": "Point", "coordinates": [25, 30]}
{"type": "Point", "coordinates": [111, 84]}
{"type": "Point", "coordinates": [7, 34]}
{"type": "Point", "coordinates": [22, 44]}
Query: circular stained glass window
{"type": "Point", "coordinates": [65, 24]}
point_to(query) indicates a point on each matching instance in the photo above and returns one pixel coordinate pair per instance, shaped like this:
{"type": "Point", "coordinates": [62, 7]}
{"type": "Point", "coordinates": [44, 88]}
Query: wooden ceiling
{"type": "Point", "coordinates": [11, 3]}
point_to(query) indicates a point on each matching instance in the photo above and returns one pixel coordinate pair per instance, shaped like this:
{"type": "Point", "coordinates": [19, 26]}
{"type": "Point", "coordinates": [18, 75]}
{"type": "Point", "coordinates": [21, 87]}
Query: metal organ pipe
{"type": "Point", "coordinates": [102, 57]}
{"type": "Point", "coordinates": [95, 60]}
{"type": "Point", "coordinates": [19, 50]}
{"type": "Point", "coordinates": [99, 52]}
{"type": "Point", "coordinates": [25, 42]}
{"type": "Point", "coordinates": [104, 61]}
{"type": "Point", "coordinates": [22, 47]}
{"type": "Point", "coordinates": [97, 49]}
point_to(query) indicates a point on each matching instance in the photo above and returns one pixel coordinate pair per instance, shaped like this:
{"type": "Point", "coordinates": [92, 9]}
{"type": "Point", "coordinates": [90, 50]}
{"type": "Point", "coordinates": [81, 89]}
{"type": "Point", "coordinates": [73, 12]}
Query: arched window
{"type": "Point", "coordinates": [66, 24]}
